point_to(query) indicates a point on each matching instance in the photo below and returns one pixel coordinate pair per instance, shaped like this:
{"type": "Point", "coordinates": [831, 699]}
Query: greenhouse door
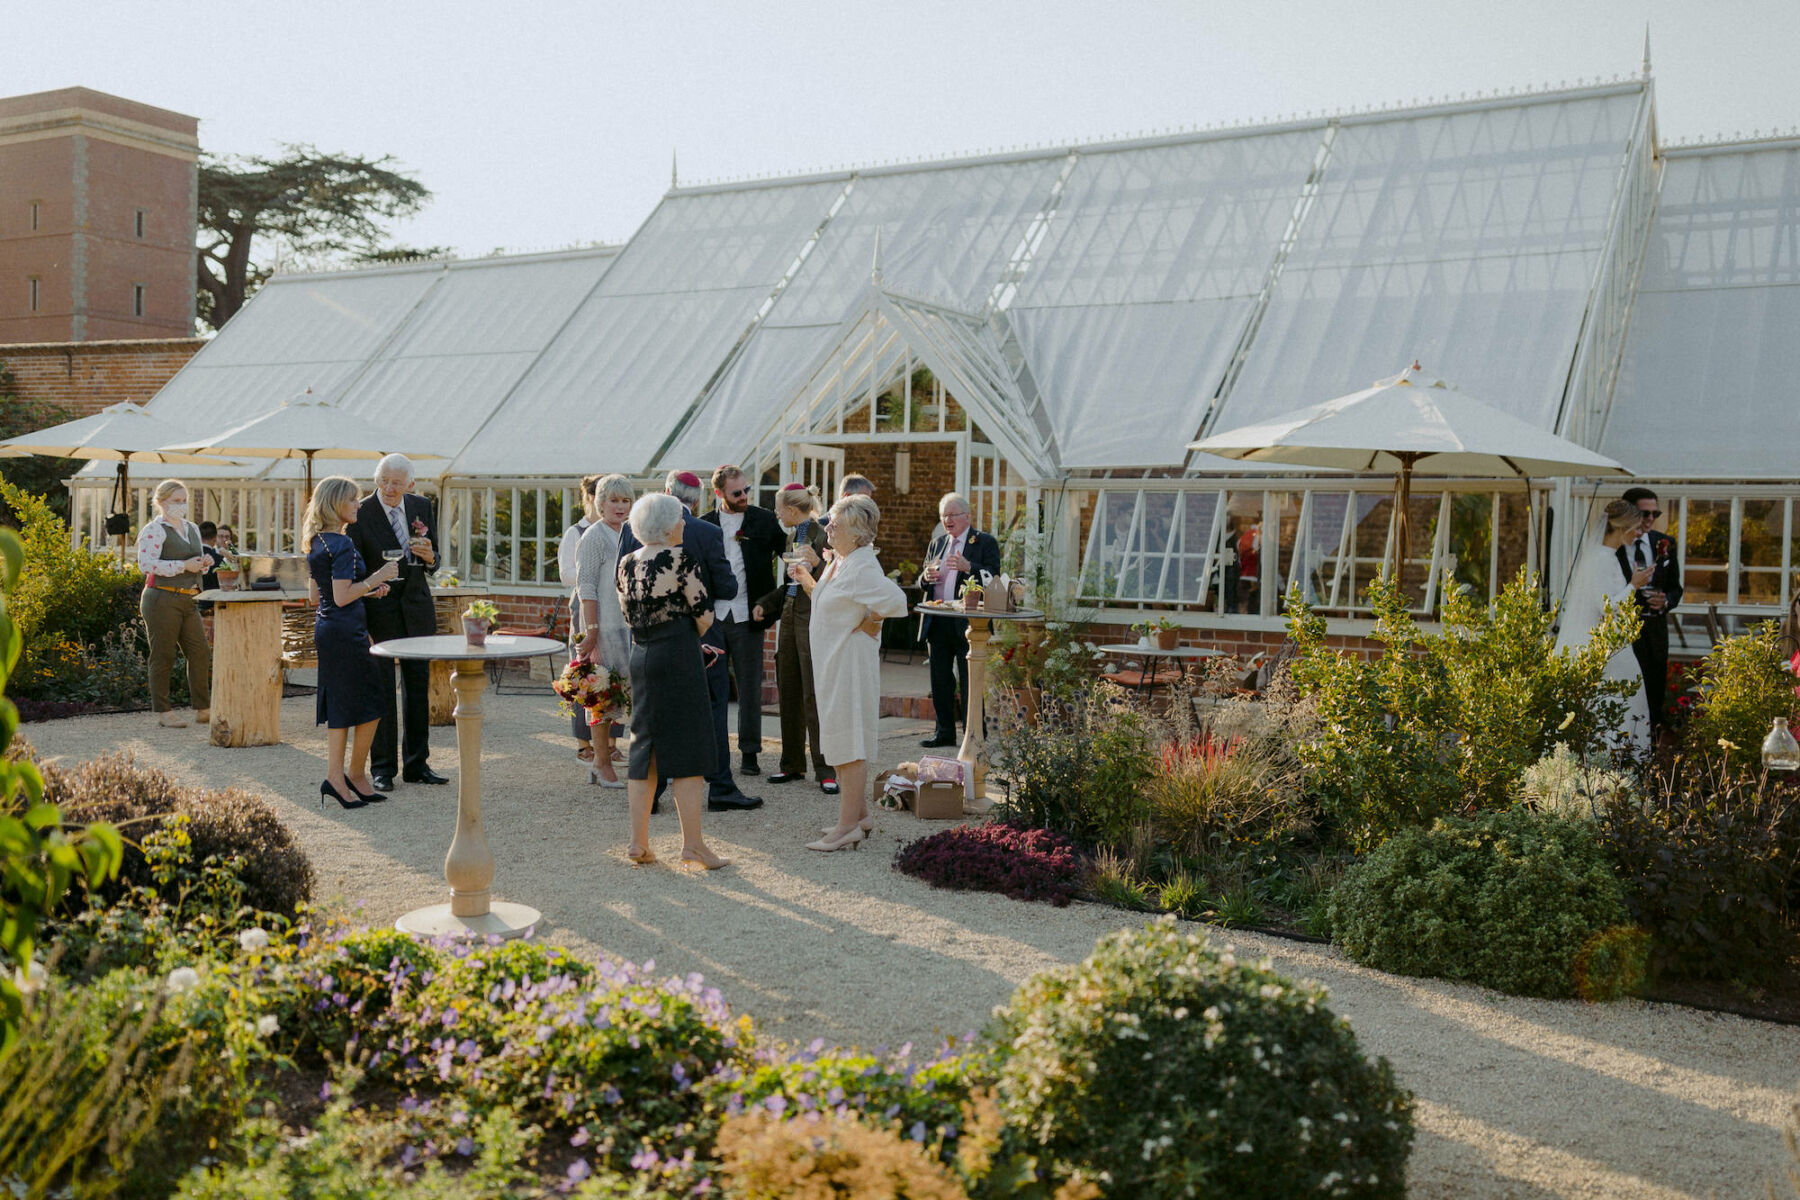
{"type": "Point", "coordinates": [819, 467]}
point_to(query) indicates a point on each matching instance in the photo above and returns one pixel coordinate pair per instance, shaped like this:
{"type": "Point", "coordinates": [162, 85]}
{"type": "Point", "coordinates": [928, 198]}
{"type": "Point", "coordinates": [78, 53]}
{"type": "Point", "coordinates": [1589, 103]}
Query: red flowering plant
{"type": "Point", "coordinates": [1681, 693]}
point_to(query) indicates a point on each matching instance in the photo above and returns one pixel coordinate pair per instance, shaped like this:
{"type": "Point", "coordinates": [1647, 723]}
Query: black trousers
{"type": "Point", "coordinates": [718, 687]}
{"type": "Point", "coordinates": [947, 642]}
{"type": "Point", "coordinates": [1652, 650]}
{"type": "Point", "coordinates": [415, 718]}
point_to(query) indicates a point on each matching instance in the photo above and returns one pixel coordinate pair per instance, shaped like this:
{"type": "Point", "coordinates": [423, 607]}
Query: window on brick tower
{"type": "Point", "coordinates": [34, 214]}
{"type": "Point", "coordinates": [138, 223]}
{"type": "Point", "coordinates": [35, 281]}
{"type": "Point", "coordinates": [137, 299]}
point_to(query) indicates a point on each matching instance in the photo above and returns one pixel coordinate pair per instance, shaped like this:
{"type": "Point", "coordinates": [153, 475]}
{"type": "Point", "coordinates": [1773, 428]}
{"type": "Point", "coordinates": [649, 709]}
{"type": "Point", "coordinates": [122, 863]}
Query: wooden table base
{"type": "Point", "coordinates": [246, 675]}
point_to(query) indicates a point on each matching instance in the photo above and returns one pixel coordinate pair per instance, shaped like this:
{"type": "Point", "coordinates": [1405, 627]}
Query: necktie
{"type": "Point", "coordinates": [1637, 552]}
{"type": "Point", "coordinates": [399, 525]}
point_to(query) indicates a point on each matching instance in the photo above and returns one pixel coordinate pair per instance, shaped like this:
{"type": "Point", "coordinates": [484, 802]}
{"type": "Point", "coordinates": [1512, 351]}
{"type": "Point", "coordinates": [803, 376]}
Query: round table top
{"type": "Point", "coordinates": [1133, 649]}
{"type": "Point", "coordinates": [450, 647]}
{"type": "Point", "coordinates": [266, 595]}
{"type": "Point", "coordinates": [1023, 614]}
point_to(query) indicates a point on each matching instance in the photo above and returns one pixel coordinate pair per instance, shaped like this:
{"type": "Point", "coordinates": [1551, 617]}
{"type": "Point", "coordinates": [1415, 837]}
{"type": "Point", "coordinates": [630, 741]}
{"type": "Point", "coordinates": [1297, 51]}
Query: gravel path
{"type": "Point", "coordinates": [1516, 1098]}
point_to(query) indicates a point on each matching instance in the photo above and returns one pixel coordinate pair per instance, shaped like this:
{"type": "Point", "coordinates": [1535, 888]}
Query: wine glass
{"type": "Point", "coordinates": [393, 556]}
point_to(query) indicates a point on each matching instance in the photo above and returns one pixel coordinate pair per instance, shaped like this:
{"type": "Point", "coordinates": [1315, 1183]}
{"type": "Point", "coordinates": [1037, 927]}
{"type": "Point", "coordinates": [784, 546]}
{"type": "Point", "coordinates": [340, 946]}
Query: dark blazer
{"type": "Point", "coordinates": [981, 549]}
{"type": "Point", "coordinates": [775, 598]}
{"type": "Point", "coordinates": [1665, 575]}
{"type": "Point", "coordinates": [705, 543]}
{"type": "Point", "coordinates": [762, 538]}
{"type": "Point", "coordinates": [407, 610]}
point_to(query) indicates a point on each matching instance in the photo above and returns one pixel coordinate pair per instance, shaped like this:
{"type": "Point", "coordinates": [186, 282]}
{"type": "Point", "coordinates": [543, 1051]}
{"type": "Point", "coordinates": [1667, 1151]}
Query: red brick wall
{"type": "Point", "coordinates": [85, 377]}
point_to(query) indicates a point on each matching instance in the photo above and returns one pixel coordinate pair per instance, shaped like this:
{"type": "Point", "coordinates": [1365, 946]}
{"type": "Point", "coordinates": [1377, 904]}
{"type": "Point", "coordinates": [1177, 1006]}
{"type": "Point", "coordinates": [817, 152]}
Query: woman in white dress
{"type": "Point", "coordinates": [1598, 577]}
{"type": "Point", "coordinates": [849, 602]}
{"type": "Point", "coordinates": [606, 640]}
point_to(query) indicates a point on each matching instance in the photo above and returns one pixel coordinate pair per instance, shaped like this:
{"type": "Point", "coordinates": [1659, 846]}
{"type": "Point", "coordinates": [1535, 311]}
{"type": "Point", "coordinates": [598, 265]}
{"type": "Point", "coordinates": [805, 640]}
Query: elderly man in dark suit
{"type": "Point", "coordinates": [957, 554]}
{"type": "Point", "coordinates": [752, 538]}
{"type": "Point", "coordinates": [1656, 600]}
{"type": "Point", "coordinates": [394, 519]}
{"type": "Point", "coordinates": [707, 544]}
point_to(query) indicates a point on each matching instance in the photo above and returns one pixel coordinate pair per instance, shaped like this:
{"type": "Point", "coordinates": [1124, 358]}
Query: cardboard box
{"type": "Point", "coordinates": [902, 798]}
{"type": "Point", "coordinates": [938, 801]}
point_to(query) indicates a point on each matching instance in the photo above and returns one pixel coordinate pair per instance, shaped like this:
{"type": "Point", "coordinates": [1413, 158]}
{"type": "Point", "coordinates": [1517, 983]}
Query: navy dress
{"type": "Point", "coordinates": [349, 681]}
{"type": "Point", "coordinates": [663, 593]}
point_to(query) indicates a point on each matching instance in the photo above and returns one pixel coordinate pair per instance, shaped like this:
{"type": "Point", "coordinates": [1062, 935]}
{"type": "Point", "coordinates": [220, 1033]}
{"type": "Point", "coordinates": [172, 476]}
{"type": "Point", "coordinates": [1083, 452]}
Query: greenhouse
{"type": "Point", "coordinates": [1047, 330]}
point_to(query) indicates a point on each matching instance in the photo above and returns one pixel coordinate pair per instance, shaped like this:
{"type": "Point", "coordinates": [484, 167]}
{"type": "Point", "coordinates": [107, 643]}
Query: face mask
{"type": "Point", "coordinates": [175, 511]}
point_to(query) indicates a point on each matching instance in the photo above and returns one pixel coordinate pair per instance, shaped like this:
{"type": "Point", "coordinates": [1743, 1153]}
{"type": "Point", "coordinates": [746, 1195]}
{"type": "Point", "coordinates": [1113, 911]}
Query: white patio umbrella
{"type": "Point", "coordinates": [1410, 423]}
{"type": "Point", "coordinates": [124, 433]}
{"type": "Point", "coordinates": [305, 426]}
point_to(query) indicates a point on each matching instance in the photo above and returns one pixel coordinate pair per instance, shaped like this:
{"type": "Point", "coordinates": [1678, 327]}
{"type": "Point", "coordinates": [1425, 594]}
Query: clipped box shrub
{"type": "Point", "coordinates": [1169, 1068]}
{"type": "Point", "coordinates": [1025, 864]}
{"type": "Point", "coordinates": [277, 877]}
{"type": "Point", "coordinates": [765, 1158]}
{"type": "Point", "coordinates": [1510, 900]}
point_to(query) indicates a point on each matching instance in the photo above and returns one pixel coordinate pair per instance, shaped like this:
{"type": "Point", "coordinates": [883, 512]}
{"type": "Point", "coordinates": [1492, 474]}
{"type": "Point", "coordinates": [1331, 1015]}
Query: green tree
{"type": "Point", "coordinates": [38, 475]}
{"type": "Point", "coordinates": [318, 205]}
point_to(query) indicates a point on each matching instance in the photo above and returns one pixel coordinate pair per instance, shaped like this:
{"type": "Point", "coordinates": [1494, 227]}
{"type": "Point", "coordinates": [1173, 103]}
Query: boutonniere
{"type": "Point", "coordinates": [418, 528]}
{"type": "Point", "coordinates": [739, 536]}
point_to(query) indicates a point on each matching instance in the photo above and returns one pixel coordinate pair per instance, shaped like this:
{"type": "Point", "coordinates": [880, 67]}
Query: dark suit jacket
{"type": "Point", "coordinates": [705, 543]}
{"type": "Point", "coordinates": [775, 598]}
{"type": "Point", "coordinates": [1665, 575]}
{"type": "Point", "coordinates": [407, 610]}
{"type": "Point", "coordinates": [983, 552]}
{"type": "Point", "coordinates": [763, 538]}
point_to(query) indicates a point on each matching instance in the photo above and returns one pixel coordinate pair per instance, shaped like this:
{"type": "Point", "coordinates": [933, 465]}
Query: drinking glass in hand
{"type": "Point", "coordinates": [393, 556]}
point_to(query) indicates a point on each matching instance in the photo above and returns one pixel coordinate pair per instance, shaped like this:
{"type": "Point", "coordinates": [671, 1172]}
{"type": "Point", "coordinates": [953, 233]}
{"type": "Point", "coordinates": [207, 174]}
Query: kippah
{"type": "Point", "coordinates": [688, 479]}
{"type": "Point", "coordinates": [793, 487]}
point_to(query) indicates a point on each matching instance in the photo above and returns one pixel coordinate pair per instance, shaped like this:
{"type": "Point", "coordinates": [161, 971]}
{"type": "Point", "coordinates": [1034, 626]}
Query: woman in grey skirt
{"type": "Point", "coordinates": [668, 607]}
{"type": "Point", "coordinates": [606, 641]}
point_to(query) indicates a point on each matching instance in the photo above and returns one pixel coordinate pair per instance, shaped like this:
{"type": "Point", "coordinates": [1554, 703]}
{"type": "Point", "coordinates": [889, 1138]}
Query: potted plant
{"type": "Point", "coordinates": [971, 597]}
{"type": "Point", "coordinates": [477, 620]}
{"type": "Point", "coordinates": [1160, 632]}
{"type": "Point", "coordinates": [228, 573]}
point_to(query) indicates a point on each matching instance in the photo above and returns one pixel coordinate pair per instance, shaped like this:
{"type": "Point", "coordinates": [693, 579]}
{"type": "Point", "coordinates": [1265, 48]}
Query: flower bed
{"type": "Point", "coordinates": [1025, 864]}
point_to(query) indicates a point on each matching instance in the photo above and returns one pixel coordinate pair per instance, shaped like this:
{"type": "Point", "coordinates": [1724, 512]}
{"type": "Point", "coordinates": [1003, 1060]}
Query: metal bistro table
{"type": "Point", "coordinates": [1150, 656]}
{"type": "Point", "coordinates": [974, 743]}
{"type": "Point", "coordinates": [469, 867]}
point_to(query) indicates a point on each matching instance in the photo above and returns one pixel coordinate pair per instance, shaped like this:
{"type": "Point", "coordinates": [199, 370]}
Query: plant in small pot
{"type": "Point", "coordinates": [228, 573]}
{"type": "Point", "coordinates": [1160, 632]}
{"type": "Point", "coordinates": [477, 620]}
{"type": "Point", "coordinates": [971, 597]}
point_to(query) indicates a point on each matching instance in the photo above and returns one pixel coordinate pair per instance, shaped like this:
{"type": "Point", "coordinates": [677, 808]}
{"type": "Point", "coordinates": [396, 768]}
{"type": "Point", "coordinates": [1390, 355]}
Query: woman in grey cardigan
{"type": "Point", "coordinates": [607, 640]}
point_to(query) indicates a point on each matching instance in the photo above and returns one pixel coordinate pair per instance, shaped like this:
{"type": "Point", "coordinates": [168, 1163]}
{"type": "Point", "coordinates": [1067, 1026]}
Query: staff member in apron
{"type": "Point", "coordinates": [170, 553]}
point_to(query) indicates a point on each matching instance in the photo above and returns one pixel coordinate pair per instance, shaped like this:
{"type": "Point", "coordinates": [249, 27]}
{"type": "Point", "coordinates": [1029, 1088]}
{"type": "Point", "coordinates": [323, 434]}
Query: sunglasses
{"type": "Point", "coordinates": [1651, 513]}
{"type": "Point", "coordinates": [744, 491]}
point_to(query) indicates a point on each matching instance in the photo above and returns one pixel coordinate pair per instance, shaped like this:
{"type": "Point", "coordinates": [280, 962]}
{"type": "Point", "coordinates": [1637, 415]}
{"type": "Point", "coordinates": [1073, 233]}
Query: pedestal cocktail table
{"type": "Point", "coordinates": [469, 866]}
{"type": "Point", "coordinates": [246, 678]}
{"type": "Point", "coordinates": [974, 743]}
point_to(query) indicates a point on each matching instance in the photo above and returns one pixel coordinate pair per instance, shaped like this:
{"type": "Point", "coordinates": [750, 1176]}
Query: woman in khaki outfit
{"type": "Point", "coordinates": [169, 553]}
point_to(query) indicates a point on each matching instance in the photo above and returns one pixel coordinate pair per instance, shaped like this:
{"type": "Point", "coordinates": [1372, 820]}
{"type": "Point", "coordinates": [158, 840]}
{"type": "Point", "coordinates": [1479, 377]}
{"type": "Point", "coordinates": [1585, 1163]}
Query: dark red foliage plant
{"type": "Point", "coordinates": [1025, 864]}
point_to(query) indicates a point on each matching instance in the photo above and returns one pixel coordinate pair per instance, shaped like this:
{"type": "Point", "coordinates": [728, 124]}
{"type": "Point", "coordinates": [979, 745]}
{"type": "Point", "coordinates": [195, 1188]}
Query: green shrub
{"type": "Point", "coordinates": [67, 590]}
{"type": "Point", "coordinates": [1210, 797]}
{"type": "Point", "coordinates": [34, 473]}
{"type": "Point", "coordinates": [1448, 721]}
{"type": "Point", "coordinates": [1169, 1068]}
{"type": "Point", "coordinates": [276, 875]}
{"type": "Point", "coordinates": [1563, 784]}
{"type": "Point", "coordinates": [1081, 770]}
{"type": "Point", "coordinates": [1508, 900]}
{"type": "Point", "coordinates": [765, 1158]}
{"type": "Point", "coordinates": [1744, 685]}
{"type": "Point", "coordinates": [1711, 867]}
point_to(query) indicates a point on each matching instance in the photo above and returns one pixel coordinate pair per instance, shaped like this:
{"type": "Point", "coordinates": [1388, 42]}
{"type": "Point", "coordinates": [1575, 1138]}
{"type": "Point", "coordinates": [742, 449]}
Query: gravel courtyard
{"type": "Point", "coordinates": [1516, 1098]}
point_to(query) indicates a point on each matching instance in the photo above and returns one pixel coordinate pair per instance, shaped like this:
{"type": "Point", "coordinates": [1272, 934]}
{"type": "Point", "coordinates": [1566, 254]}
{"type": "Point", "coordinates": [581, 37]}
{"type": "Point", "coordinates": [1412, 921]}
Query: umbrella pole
{"type": "Point", "coordinates": [308, 498]}
{"type": "Point", "coordinates": [124, 499]}
{"type": "Point", "coordinates": [1403, 517]}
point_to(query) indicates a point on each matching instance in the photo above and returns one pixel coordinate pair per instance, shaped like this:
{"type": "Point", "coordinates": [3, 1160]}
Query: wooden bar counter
{"type": "Point", "coordinates": [246, 680]}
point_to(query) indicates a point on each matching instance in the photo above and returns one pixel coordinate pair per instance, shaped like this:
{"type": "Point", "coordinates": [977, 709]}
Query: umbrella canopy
{"type": "Point", "coordinates": [302, 427]}
{"type": "Point", "coordinates": [1410, 423]}
{"type": "Point", "coordinates": [123, 433]}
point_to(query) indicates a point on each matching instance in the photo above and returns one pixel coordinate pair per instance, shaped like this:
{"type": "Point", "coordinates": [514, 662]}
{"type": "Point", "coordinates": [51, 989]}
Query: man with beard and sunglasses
{"type": "Point", "coordinates": [753, 539]}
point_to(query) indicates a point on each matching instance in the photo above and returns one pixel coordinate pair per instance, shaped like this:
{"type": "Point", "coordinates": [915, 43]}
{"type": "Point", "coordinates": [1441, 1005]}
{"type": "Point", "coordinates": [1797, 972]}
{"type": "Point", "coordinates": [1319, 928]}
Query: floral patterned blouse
{"type": "Point", "coordinates": [659, 584]}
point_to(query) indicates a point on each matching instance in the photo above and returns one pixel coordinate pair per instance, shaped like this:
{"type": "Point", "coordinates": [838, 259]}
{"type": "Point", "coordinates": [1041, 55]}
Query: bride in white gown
{"type": "Point", "coordinates": [1598, 577]}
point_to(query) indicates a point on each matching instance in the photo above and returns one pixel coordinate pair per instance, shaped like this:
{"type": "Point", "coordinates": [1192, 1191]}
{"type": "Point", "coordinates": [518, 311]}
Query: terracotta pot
{"type": "Point", "coordinates": [475, 632]}
{"type": "Point", "coordinates": [1168, 639]}
{"type": "Point", "coordinates": [972, 602]}
{"type": "Point", "coordinates": [228, 581]}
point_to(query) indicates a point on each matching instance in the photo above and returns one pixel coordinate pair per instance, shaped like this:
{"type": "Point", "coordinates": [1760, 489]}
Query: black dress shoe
{"type": "Point", "coordinates": [829, 786]}
{"type": "Point", "coordinates": [750, 767]}
{"type": "Point", "coordinates": [732, 802]}
{"type": "Point", "coordinates": [787, 776]}
{"type": "Point", "coordinates": [938, 741]}
{"type": "Point", "coordinates": [425, 775]}
{"type": "Point", "coordinates": [383, 783]}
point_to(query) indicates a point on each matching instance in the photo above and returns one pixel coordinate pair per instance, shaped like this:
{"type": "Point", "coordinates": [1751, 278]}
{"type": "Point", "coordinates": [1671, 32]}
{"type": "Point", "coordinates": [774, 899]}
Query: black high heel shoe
{"type": "Point", "coordinates": [325, 789]}
{"type": "Point", "coordinates": [367, 797]}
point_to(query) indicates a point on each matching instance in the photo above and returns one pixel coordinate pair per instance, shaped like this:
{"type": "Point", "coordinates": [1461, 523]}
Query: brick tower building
{"type": "Point", "coordinates": [97, 215]}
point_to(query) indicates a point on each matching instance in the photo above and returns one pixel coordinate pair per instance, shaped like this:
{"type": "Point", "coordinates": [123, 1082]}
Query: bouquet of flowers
{"type": "Point", "coordinates": [602, 694]}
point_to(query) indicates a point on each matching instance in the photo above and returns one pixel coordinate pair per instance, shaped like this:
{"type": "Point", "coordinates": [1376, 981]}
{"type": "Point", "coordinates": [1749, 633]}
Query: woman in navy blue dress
{"type": "Point", "coordinates": [349, 682]}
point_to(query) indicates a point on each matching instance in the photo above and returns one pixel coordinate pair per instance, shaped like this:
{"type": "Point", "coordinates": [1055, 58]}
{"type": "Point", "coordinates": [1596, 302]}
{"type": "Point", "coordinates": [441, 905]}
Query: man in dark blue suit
{"type": "Point", "coordinates": [707, 544]}
{"type": "Point", "coordinates": [958, 554]}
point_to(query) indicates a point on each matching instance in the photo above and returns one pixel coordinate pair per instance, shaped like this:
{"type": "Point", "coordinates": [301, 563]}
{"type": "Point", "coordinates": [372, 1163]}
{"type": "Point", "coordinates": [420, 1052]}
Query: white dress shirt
{"type": "Point", "coordinates": [738, 607]}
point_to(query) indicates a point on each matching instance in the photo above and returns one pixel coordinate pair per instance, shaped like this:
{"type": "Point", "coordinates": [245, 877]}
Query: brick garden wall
{"type": "Point", "coordinates": [85, 377]}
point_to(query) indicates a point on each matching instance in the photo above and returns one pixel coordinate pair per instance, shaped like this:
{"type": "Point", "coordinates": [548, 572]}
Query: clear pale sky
{"type": "Point", "coordinates": [545, 124]}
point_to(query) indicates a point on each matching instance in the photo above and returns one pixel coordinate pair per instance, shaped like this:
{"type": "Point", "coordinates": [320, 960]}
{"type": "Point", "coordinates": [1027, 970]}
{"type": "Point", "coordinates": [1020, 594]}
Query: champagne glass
{"type": "Point", "coordinates": [393, 556]}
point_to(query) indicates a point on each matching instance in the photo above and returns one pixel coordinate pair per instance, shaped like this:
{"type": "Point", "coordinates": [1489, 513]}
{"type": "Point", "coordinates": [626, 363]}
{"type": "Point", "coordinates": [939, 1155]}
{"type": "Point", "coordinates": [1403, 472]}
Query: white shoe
{"type": "Point", "coordinates": [203, 717]}
{"type": "Point", "coordinates": [595, 777]}
{"type": "Point", "coordinates": [171, 720]}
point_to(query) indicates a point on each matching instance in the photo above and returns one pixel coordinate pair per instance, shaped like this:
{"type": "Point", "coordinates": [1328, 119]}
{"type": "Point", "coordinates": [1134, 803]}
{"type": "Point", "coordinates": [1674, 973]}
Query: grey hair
{"type": "Point", "coordinates": [858, 516]}
{"type": "Point", "coordinates": [396, 462]}
{"type": "Point", "coordinates": [613, 487]}
{"type": "Point", "coordinates": [856, 485]}
{"type": "Point", "coordinates": [655, 517]}
{"type": "Point", "coordinates": [689, 496]}
{"type": "Point", "coordinates": [953, 500]}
